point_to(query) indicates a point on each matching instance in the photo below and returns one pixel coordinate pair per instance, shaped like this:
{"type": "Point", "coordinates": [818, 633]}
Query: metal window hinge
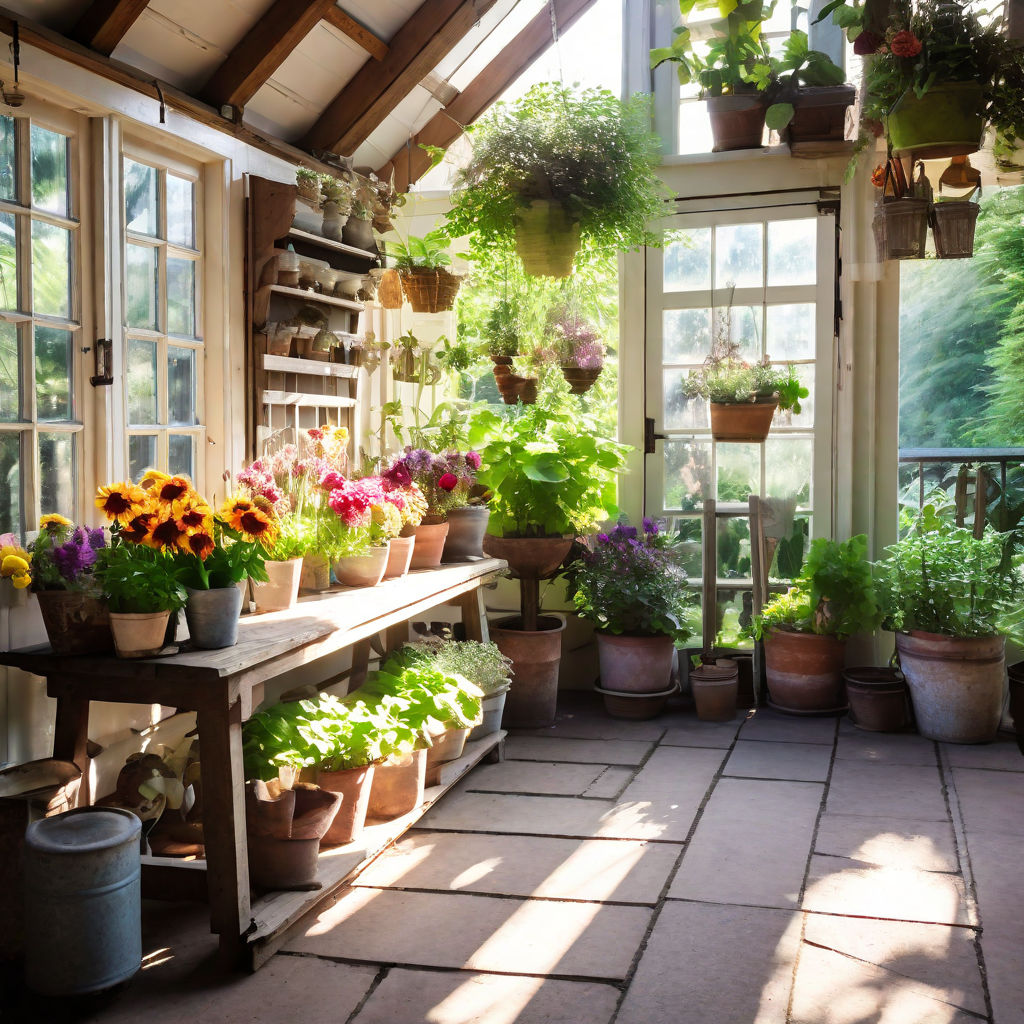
{"type": "Point", "coordinates": [651, 436]}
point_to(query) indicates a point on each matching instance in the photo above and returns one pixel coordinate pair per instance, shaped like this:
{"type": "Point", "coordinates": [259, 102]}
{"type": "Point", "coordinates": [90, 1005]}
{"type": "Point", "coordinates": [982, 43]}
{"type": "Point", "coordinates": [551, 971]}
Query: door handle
{"type": "Point", "coordinates": [651, 436]}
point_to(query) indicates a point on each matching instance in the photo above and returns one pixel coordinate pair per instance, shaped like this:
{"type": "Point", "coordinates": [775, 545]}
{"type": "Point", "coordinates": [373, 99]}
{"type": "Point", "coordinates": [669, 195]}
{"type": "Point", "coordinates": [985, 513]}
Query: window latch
{"type": "Point", "coordinates": [651, 436]}
{"type": "Point", "coordinates": [103, 363]}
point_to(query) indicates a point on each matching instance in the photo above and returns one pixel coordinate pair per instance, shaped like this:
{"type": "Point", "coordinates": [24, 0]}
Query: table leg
{"type": "Point", "coordinates": [395, 636]}
{"type": "Point", "coordinates": [71, 737]}
{"type": "Point", "coordinates": [474, 615]}
{"type": "Point", "coordinates": [360, 664]}
{"type": "Point", "coordinates": [227, 858]}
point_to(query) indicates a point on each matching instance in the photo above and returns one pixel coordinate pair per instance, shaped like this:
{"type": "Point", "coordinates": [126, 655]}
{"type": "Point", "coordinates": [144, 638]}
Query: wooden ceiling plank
{"type": "Point", "coordinates": [428, 35]}
{"type": "Point", "coordinates": [104, 23]}
{"type": "Point", "coordinates": [264, 48]}
{"type": "Point", "coordinates": [359, 34]}
{"type": "Point", "coordinates": [410, 163]}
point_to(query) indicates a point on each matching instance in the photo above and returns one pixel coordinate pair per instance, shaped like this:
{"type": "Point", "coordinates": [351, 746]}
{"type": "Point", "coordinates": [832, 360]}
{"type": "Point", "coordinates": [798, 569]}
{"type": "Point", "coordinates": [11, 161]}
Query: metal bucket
{"type": "Point", "coordinates": [83, 901]}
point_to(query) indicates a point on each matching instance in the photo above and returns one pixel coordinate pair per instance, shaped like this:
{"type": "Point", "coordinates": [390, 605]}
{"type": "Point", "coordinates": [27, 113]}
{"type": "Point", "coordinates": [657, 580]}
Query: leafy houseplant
{"type": "Point", "coordinates": [422, 266]}
{"type": "Point", "coordinates": [308, 183]}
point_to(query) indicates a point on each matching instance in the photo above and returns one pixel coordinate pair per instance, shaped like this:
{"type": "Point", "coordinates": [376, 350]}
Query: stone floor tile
{"type": "Point", "coordinates": [938, 956]}
{"type": "Point", "coordinates": [892, 842]}
{"type": "Point", "coordinates": [912, 792]}
{"type": "Point", "coordinates": [712, 964]}
{"type": "Point", "coordinates": [751, 845]}
{"type": "Point", "coordinates": [1004, 756]}
{"type": "Point", "coordinates": [553, 748]}
{"type": "Point", "coordinates": [883, 747]}
{"type": "Point", "coordinates": [533, 777]}
{"type": "Point", "coordinates": [837, 886]}
{"type": "Point", "coordinates": [692, 732]}
{"type": "Point", "coordinates": [990, 801]}
{"type": "Point", "coordinates": [610, 783]}
{"type": "Point", "coordinates": [834, 989]}
{"type": "Point", "coordinates": [805, 762]}
{"type": "Point", "coordinates": [459, 997]}
{"type": "Point", "coordinates": [481, 933]}
{"type": "Point", "coordinates": [594, 870]}
{"type": "Point", "coordinates": [767, 724]}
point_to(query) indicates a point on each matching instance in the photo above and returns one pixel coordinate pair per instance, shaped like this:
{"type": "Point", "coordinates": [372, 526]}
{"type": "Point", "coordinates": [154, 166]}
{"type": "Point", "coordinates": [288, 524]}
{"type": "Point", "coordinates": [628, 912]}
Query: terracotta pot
{"type": "Point", "coordinates": [529, 557]}
{"type": "Point", "coordinates": [492, 707]}
{"type": "Point", "coordinates": [635, 706]}
{"type": "Point", "coordinates": [316, 573]}
{"type": "Point", "coordinates": [76, 623]}
{"type": "Point", "coordinates": [281, 589]}
{"type": "Point", "coordinates": [1016, 682]}
{"type": "Point", "coordinates": [580, 379]}
{"type": "Point", "coordinates": [526, 391]}
{"type": "Point", "coordinates": [212, 617]}
{"type": "Point", "coordinates": [715, 689]}
{"type": "Point", "coordinates": [956, 685]}
{"type": "Point", "coordinates": [819, 119]}
{"type": "Point", "coordinates": [635, 664]}
{"type": "Point", "coordinates": [427, 552]}
{"type": "Point", "coordinates": [500, 361]}
{"type": "Point", "coordinates": [742, 421]}
{"type": "Point", "coordinates": [878, 698]}
{"type": "Point", "coordinates": [509, 383]}
{"type": "Point", "coordinates": [535, 656]}
{"type": "Point", "coordinates": [737, 122]}
{"type": "Point", "coordinates": [466, 529]}
{"type": "Point", "coordinates": [363, 570]}
{"type": "Point", "coordinates": [354, 785]}
{"type": "Point", "coordinates": [138, 635]}
{"type": "Point", "coordinates": [805, 671]}
{"type": "Point", "coordinates": [397, 788]}
{"type": "Point", "coordinates": [447, 746]}
{"type": "Point", "coordinates": [547, 239]}
{"type": "Point", "coordinates": [399, 557]}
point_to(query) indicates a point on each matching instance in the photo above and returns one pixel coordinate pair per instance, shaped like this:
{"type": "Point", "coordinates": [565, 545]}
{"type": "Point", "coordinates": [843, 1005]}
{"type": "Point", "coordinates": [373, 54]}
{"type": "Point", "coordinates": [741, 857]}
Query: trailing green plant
{"type": "Point", "coordinates": [139, 579]}
{"type": "Point", "coordinates": [502, 329]}
{"type": "Point", "coordinates": [428, 253]}
{"type": "Point", "coordinates": [480, 663]}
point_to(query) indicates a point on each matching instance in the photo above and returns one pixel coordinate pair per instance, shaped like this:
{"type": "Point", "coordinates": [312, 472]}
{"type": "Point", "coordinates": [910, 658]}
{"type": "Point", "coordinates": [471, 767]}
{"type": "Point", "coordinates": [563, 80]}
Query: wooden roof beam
{"type": "Point", "coordinates": [377, 88]}
{"type": "Point", "coordinates": [264, 48]}
{"type": "Point", "coordinates": [359, 34]}
{"type": "Point", "coordinates": [410, 163]}
{"type": "Point", "coordinates": [104, 23]}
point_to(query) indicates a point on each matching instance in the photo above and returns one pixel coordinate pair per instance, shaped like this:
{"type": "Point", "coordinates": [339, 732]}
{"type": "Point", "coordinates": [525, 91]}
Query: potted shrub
{"type": "Point", "coordinates": [559, 168]}
{"type": "Point", "coordinates": [630, 585]}
{"type": "Point", "coordinates": [805, 629]}
{"type": "Point", "coordinates": [422, 266]}
{"type": "Point", "coordinates": [358, 229]}
{"type": "Point", "coordinates": [951, 597]}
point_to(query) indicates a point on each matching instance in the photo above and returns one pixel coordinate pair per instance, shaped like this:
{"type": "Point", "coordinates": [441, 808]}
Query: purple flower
{"type": "Point", "coordinates": [97, 538]}
{"type": "Point", "coordinates": [418, 460]}
{"type": "Point", "coordinates": [603, 538]}
{"type": "Point", "coordinates": [649, 525]}
{"type": "Point", "coordinates": [473, 460]}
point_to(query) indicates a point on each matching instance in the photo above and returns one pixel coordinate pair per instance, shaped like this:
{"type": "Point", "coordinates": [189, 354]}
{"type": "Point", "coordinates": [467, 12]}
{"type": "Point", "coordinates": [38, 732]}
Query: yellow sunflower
{"type": "Point", "coordinates": [201, 543]}
{"type": "Point", "coordinates": [166, 533]}
{"type": "Point", "coordinates": [152, 478]}
{"type": "Point", "coordinates": [54, 522]}
{"type": "Point", "coordinates": [173, 490]}
{"type": "Point", "coordinates": [248, 519]}
{"type": "Point", "coordinates": [136, 531]}
{"type": "Point", "coordinates": [122, 502]}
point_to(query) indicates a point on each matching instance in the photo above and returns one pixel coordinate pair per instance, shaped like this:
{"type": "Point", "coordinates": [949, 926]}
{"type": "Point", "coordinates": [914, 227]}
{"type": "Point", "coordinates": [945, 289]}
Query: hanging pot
{"type": "Point", "coordinates": [429, 548]}
{"type": "Point", "coordinates": [354, 785]}
{"type": "Point", "coordinates": [948, 120]}
{"type": "Point", "coordinates": [399, 557]}
{"type": "Point", "coordinates": [430, 290]}
{"type": "Point", "coordinates": [212, 617]}
{"type": "Point", "coordinates": [547, 239]}
{"type": "Point", "coordinates": [581, 379]}
{"type": "Point", "coordinates": [138, 635]}
{"type": "Point", "coordinates": [878, 698]}
{"type": "Point", "coordinates": [737, 122]}
{"type": "Point", "coordinates": [804, 671]}
{"type": "Point", "coordinates": [742, 421]}
{"type": "Point", "coordinates": [715, 689]}
{"type": "Point", "coordinates": [76, 623]}
{"type": "Point", "coordinates": [900, 227]}
{"type": "Point", "coordinates": [359, 234]}
{"type": "Point", "coordinates": [466, 529]}
{"type": "Point", "coordinates": [281, 590]}
{"type": "Point", "coordinates": [363, 570]}
{"type": "Point", "coordinates": [635, 664]}
{"type": "Point", "coordinates": [953, 223]}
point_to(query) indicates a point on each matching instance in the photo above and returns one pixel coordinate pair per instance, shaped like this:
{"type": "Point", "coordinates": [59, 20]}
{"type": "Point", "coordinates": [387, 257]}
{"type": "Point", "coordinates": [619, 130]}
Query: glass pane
{"type": "Point", "coordinates": [181, 386]}
{"type": "Point", "coordinates": [10, 482]}
{"type": "Point", "coordinates": [8, 183]}
{"type": "Point", "coordinates": [8, 261]}
{"type": "Point", "coordinates": [689, 545]}
{"type": "Point", "coordinates": [141, 290]}
{"type": "Point", "coordinates": [51, 269]}
{"type": "Point", "coordinates": [743, 326]}
{"type": "Point", "coordinates": [694, 128]}
{"type": "Point", "coordinates": [789, 463]}
{"type": "Point", "coordinates": [733, 549]}
{"type": "Point", "coordinates": [790, 331]}
{"type": "Point", "coordinates": [181, 455]}
{"type": "Point", "coordinates": [739, 256]}
{"type": "Point", "coordinates": [181, 211]}
{"type": "Point", "coordinates": [739, 472]}
{"type": "Point", "coordinates": [141, 454]}
{"type": "Point", "coordinates": [805, 418]}
{"type": "Point", "coordinates": [49, 170]}
{"type": "Point", "coordinates": [792, 252]}
{"type": "Point", "coordinates": [733, 612]}
{"type": "Point", "coordinates": [181, 297]}
{"type": "Point", "coordinates": [686, 335]}
{"type": "Point", "coordinates": [688, 260]}
{"type": "Point", "coordinates": [788, 558]}
{"type": "Point", "coordinates": [57, 474]}
{"type": "Point", "coordinates": [682, 412]}
{"type": "Point", "coordinates": [10, 374]}
{"type": "Point", "coordinates": [54, 389]}
{"type": "Point", "coordinates": [142, 383]}
{"type": "Point", "coordinates": [141, 198]}
{"type": "Point", "coordinates": [687, 474]}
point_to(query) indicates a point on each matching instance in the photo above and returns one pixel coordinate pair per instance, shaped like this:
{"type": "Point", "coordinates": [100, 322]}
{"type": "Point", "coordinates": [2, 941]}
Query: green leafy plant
{"type": "Point", "coordinates": [502, 329]}
{"type": "Point", "coordinates": [139, 579]}
{"type": "Point", "coordinates": [428, 253]}
{"type": "Point", "coordinates": [733, 380]}
{"type": "Point", "coordinates": [482, 664]}
{"type": "Point", "coordinates": [798, 66]}
{"type": "Point", "coordinates": [304, 176]}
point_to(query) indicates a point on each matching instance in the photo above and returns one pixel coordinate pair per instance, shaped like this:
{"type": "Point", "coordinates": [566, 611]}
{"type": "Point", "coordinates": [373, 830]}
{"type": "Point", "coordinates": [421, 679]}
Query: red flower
{"type": "Point", "coordinates": [448, 482]}
{"type": "Point", "coordinates": [867, 43]}
{"type": "Point", "coordinates": [878, 176]}
{"type": "Point", "coordinates": [905, 44]}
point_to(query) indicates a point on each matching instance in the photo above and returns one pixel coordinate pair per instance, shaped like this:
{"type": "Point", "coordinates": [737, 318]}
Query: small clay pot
{"type": "Point", "coordinates": [429, 548]}
{"type": "Point", "coordinates": [715, 689]}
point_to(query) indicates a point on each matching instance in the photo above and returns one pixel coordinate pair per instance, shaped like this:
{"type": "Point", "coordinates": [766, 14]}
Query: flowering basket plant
{"type": "Point", "coordinates": [62, 557]}
{"type": "Point", "coordinates": [577, 343]}
{"type": "Point", "coordinates": [444, 480]}
{"type": "Point", "coordinates": [629, 582]}
{"type": "Point", "coordinates": [15, 562]}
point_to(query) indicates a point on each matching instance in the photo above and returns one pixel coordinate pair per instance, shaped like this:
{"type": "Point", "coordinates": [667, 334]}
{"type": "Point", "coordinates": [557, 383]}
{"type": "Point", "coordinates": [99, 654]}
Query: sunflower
{"type": "Point", "coordinates": [121, 503]}
{"type": "Point", "coordinates": [136, 531]}
{"type": "Point", "coordinates": [166, 533]}
{"type": "Point", "coordinates": [173, 489]}
{"type": "Point", "coordinates": [152, 478]}
{"type": "Point", "coordinates": [200, 543]}
{"type": "Point", "coordinates": [54, 522]}
{"type": "Point", "coordinates": [196, 515]}
{"type": "Point", "coordinates": [248, 519]}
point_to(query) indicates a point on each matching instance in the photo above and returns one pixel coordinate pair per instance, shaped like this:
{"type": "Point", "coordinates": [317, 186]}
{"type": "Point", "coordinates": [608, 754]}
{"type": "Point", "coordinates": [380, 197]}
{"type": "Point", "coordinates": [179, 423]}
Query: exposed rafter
{"type": "Point", "coordinates": [359, 34]}
{"type": "Point", "coordinates": [106, 22]}
{"type": "Point", "coordinates": [377, 88]}
{"type": "Point", "coordinates": [263, 50]}
{"type": "Point", "coordinates": [410, 163]}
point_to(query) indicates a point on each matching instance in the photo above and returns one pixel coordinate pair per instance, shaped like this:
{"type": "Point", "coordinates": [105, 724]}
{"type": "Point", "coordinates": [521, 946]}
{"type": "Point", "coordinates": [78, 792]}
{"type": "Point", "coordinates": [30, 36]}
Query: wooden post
{"type": "Point", "coordinates": [474, 616]}
{"type": "Point", "coordinates": [71, 738]}
{"type": "Point", "coordinates": [529, 602]}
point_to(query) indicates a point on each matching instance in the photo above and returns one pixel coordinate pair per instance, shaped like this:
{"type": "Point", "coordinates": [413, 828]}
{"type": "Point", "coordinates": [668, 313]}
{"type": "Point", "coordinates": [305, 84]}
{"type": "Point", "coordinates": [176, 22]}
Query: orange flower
{"type": "Point", "coordinates": [174, 488]}
{"type": "Point", "coordinates": [196, 516]}
{"type": "Point", "coordinates": [121, 503]}
{"type": "Point", "coordinates": [248, 519]}
{"type": "Point", "coordinates": [878, 176]}
{"type": "Point", "coordinates": [136, 531]}
{"type": "Point", "coordinates": [200, 543]}
{"type": "Point", "coordinates": [167, 533]}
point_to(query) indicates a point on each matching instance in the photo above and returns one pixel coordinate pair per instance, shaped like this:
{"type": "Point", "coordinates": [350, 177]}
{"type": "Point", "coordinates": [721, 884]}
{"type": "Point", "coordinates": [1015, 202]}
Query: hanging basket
{"type": "Point", "coordinates": [901, 229]}
{"type": "Point", "coordinates": [579, 379]}
{"type": "Point", "coordinates": [389, 289]}
{"type": "Point", "coordinates": [953, 224]}
{"type": "Point", "coordinates": [948, 120]}
{"type": "Point", "coordinates": [430, 291]}
{"type": "Point", "coordinates": [547, 239]}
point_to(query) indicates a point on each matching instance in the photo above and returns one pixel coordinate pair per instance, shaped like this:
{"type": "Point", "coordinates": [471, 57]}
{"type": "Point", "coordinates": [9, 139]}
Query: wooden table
{"type": "Point", "coordinates": [224, 686]}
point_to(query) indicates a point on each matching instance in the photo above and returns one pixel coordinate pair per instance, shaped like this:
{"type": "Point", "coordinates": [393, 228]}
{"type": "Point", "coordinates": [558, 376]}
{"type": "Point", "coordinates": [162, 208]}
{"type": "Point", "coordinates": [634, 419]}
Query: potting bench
{"type": "Point", "coordinates": [223, 687]}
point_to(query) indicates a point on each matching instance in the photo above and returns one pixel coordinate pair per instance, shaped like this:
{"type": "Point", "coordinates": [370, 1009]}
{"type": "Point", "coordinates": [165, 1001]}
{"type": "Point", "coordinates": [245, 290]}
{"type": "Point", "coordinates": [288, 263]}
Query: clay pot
{"type": "Point", "coordinates": [742, 421]}
{"type": "Point", "coordinates": [535, 656]}
{"type": "Point", "coordinates": [446, 746]}
{"type": "Point", "coordinates": [397, 788]}
{"type": "Point", "coordinates": [316, 573]}
{"type": "Point", "coordinates": [805, 671]}
{"type": "Point", "coordinates": [526, 391]}
{"type": "Point", "coordinates": [580, 379]}
{"type": "Point", "coordinates": [466, 529]}
{"type": "Point", "coordinates": [715, 688]}
{"type": "Point", "coordinates": [637, 707]}
{"type": "Point", "coordinates": [138, 635]}
{"type": "Point", "coordinates": [737, 122]}
{"type": "Point", "coordinates": [363, 570]}
{"type": "Point", "coordinates": [956, 684]}
{"type": "Point", "coordinates": [429, 547]}
{"type": "Point", "coordinates": [354, 785]}
{"type": "Point", "coordinates": [212, 617]}
{"type": "Point", "coordinates": [878, 698]}
{"type": "Point", "coordinates": [635, 664]}
{"type": "Point", "coordinates": [76, 623]}
{"type": "Point", "coordinates": [535, 558]}
{"type": "Point", "coordinates": [281, 589]}
{"type": "Point", "coordinates": [399, 557]}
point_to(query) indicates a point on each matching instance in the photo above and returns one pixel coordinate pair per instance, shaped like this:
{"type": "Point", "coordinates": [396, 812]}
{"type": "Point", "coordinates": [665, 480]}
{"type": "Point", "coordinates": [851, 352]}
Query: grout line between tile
{"type": "Point", "coordinates": [548, 835]}
{"type": "Point", "coordinates": [515, 897]}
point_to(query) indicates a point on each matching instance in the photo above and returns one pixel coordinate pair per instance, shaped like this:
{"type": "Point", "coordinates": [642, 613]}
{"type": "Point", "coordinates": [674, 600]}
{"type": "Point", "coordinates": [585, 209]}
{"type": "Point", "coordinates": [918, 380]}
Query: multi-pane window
{"type": "Point", "coordinates": [162, 317]}
{"type": "Point", "coordinates": [40, 365]}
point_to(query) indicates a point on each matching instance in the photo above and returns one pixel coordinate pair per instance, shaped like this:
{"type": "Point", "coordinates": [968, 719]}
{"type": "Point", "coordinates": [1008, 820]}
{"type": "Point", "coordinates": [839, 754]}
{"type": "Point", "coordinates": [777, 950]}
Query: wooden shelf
{"type": "Point", "coordinates": [316, 297]}
{"type": "Point", "coordinates": [329, 243]}
{"type": "Point", "coordinates": [300, 400]}
{"type": "Point", "coordinates": [313, 367]}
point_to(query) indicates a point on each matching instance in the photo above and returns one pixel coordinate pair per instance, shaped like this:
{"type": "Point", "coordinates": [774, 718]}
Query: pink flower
{"type": "Point", "coordinates": [905, 44]}
{"type": "Point", "coordinates": [332, 480]}
{"type": "Point", "coordinates": [473, 460]}
{"type": "Point", "coordinates": [448, 482]}
{"type": "Point", "coordinates": [351, 506]}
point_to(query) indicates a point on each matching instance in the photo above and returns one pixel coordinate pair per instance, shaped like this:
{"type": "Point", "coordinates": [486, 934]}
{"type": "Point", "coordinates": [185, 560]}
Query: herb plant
{"type": "Point", "coordinates": [138, 579]}
{"type": "Point", "coordinates": [502, 329]}
{"type": "Point", "coordinates": [482, 664]}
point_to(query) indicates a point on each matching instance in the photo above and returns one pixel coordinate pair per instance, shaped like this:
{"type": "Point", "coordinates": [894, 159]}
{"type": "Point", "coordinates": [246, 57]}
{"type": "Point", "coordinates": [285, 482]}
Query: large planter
{"type": "Point", "coordinates": [429, 547]}
{"type": "Point", "coordinates": [76, 623]}
{"type": "Point", "coordinates": [715, 689]}
{"type": "Point", "coordinates": [212, 617]}
{"type": "Point", "coordinates": [742, 421]}
{"type": "Point", "coordinates": [534, 558]}
{"type": "Point", "coordinates": [315, 574]}
{"type": "Point", "coordinates": [354, 785]}
{"type": "Point", "coordinates": [399, 557]}
{"type": "Point", "coordinates": [363, 570]}
{"type": "Point", "coordinates": [535, 657]}
{"type": "Point", "coordinates": [138, 634]}
{"type": "Point", "coordinates": [446, 746]}
{"type": "Point", "coordinates": [581, 378]}
{"type": "Point", "coordinates": [397, 788]}
{"type": "Point", "coordinates": [737, 122]}
{"type": "Point", "coordinates": [430, 291]}
{"type": "Point", "coordinates": [635, 706]}
{"type": "Point", "coordinates": [466, 529]}
{"type": "Point", "coordinates": [281, 589]}
{"type": "Point", "coordinates": [359, 234]}
{"type": "Point", "coordinates": [492, 707]}
{"type": "Point", "coordinates": [956, 685]}
{"type": "Point", "coordinates": [878, 698]}
{"type": "Point", "coordinates": [805, 671]}
{"type": "Point", "coordinates": [635, 664]}
{"type": "Point", "coordinates": [547, 239]}
{"type": "Point", "coordinates": [819, 120]}
{"type": "Point", "coordinates": [948, 121]}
